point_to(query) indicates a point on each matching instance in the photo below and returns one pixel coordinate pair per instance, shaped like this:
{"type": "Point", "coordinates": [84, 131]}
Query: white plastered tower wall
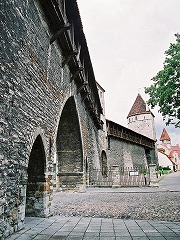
{"type": "Point", "coordinates": [141, 119]}
{"type": "Point", "coordinates": [143, 124]}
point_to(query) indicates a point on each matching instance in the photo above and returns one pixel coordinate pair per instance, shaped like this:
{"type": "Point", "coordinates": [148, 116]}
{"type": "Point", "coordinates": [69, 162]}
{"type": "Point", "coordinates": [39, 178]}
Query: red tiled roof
{"type": "Point", "coordinates": [170, 154]}
{"type": "Point", "coordinates": [164, 136]}
{"type": "Point", "coordinates": [161, 150]}
{"type": "Point", "coordinates": [139, 107]}
{"type": "Point", "coordinates": [176, 149]}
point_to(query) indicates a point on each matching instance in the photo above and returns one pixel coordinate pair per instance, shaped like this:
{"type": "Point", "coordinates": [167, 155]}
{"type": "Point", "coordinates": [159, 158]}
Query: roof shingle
{"type": "Point", "coordinates": [139, 107]}
{"type": "Point", "coordinates": [165, 136]}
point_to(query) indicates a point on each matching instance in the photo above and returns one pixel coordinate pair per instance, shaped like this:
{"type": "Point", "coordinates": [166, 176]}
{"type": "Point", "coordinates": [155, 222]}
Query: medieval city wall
{"type": "Point", "coordinates": [125, 154]}
{"type": "Point", "coordinates": [34, 89]}
{"type": "Point", "coordinates": [51, 136]}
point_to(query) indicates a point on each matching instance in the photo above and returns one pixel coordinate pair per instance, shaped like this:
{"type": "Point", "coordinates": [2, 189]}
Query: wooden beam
{"type": "Point", "coordinates": [68, 58]}
{"type": "Point", "coordinates": [76, 73]}
{"type": "Point", "coordinates": [58, 33]}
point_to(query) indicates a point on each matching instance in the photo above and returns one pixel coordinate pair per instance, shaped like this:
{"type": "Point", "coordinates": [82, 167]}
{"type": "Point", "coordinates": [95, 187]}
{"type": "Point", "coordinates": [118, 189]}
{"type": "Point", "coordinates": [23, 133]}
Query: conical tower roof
{"type": "Point", "coordinates": [164, 136]}
{"type": "Point", "coordinates": [139, 107]}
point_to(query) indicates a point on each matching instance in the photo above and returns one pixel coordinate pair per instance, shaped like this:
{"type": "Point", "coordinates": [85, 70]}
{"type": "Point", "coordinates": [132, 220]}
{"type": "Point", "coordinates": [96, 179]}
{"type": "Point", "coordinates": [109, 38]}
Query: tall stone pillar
{"type": "Point", "coordinates": [115, 176]}
{"type": "Point", "coordinates": [153, 175]}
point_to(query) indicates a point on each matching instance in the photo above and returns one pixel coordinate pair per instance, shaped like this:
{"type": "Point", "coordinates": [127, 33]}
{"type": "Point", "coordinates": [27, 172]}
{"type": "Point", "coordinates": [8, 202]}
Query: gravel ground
{"type": "Point", "coordinates": [161, 206]}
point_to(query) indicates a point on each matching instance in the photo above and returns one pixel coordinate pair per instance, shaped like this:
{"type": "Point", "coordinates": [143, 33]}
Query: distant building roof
{"type": "Point", "coordinates": [165, 136]}
{"type": "Point", "coordinates": [170, 154]}
{"type": "Point", "coordinates": [176, 149]}
{"type": "Point", "coordinates": [139, 107]}
{"type": "Point", "coordinates": [118, 131]}
{"type": "Point", "coordinates": [161, 150]}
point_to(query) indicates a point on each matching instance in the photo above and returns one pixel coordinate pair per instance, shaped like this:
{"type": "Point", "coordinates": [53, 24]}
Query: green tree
{"type": "Point", "coordinates": [165, 91]}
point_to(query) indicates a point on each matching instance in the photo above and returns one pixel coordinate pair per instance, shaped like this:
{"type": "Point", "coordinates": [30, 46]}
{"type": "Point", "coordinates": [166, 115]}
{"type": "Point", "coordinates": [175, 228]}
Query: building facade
{"type": "Point", "coordinates": [171, 152]}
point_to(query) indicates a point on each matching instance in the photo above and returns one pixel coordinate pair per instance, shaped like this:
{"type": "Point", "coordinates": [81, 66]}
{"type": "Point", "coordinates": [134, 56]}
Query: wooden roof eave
{"type": "Point", "coordinates": [56, 21]}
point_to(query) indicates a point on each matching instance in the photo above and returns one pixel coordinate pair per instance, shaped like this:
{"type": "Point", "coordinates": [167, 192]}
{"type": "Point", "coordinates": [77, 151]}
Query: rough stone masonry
{"type": "Point", "coordinates": [51, 124]}
{"type": "Point", "coordinates": [47, 109]}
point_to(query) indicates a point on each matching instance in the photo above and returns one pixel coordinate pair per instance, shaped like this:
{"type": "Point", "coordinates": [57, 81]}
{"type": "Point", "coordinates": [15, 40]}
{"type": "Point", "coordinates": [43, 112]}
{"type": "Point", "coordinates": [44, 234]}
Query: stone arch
{"type": "Point", "coordinates": [36, 190]}
{"type": "Point", "coordinates": [69, 154]}
{"type": "Point", "coordinates": [39, 131]}
{"type": "Point", "coordinates": [104, 163]}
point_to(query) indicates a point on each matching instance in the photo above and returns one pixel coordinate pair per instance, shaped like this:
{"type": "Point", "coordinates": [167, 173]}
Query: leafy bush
{"type": "Point", "coordinates": [164, 168]}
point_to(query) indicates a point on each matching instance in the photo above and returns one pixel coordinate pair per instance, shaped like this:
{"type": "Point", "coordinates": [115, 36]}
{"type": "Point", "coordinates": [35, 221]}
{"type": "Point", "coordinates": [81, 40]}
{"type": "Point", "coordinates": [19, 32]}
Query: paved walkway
{"type": "Point", "coordinates": [88, 228]}
{"type": "Point", "coordinates": [76, 228]}
{"type": "Point", "coordinates": [170, 182]}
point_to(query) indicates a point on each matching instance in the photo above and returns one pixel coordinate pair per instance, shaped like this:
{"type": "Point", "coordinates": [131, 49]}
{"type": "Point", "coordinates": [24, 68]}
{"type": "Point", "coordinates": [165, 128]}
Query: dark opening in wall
{"type": "Point", "coordinates": [109, 143]}
{"type": "Point", "coordinates": [148, 155]}
{"type": "Point", "coordinates": [69, 146]}
{"type": "Point", "coordinates": [36, 180]}
{"type": "Point", "coordinates": [104, 164]}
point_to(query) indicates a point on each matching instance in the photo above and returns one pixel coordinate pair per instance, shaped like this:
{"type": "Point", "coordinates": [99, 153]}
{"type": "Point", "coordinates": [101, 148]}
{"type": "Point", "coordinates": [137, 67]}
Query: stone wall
{"type": "Point", "coordinates": [45, 118]}
{"type": "Point", "coordinates": [125, 154]}
{"type": "Point", "coordinates": [34, 89]}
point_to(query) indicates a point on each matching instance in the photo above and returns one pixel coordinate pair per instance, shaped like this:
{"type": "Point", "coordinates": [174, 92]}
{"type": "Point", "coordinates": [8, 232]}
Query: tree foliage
{"type": "Point", "coordinates": [165, 91]}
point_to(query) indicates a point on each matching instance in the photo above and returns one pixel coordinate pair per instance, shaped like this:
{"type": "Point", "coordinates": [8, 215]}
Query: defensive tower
{"type": "Point", "coordinates": [141, 119]}
{"type": "Point", "coordinates": [165, 137]}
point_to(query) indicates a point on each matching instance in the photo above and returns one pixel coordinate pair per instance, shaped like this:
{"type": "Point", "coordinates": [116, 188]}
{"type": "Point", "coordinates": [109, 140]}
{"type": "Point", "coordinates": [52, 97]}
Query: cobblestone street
{"type": "Point", "coordinates": [150, 203]}
{"type": "Point", "coordinates": [151, 206]}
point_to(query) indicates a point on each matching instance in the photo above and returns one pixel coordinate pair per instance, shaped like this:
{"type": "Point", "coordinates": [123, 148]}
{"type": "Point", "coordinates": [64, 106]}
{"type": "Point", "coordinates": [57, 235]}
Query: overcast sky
{"type": "Point", "coordinates": [127, 40]}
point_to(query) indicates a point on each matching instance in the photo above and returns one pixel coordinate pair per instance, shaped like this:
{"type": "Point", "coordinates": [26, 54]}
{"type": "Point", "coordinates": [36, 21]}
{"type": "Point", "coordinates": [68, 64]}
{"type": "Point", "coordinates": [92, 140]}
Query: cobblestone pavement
{"type": "Point", "coordinates": [146, 203]}
{"type": "Point", "coordinates": [148, 206]}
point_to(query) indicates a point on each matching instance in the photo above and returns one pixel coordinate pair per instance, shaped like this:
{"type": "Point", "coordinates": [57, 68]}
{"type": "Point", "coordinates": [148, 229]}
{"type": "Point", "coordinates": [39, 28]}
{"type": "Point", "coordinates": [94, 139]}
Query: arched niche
{"type": "Point", "coordinates": [104, 164]}
{"type": "Point", "coordinates": [69, 147]}
{"type": "Point", "coordinates": [36, 190]}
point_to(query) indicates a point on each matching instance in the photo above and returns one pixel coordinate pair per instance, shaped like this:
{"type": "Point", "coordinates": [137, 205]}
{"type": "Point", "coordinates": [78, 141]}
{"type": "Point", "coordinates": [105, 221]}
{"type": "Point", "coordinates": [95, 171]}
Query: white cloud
{"type": "Point", "coordinates": [127, 40]}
